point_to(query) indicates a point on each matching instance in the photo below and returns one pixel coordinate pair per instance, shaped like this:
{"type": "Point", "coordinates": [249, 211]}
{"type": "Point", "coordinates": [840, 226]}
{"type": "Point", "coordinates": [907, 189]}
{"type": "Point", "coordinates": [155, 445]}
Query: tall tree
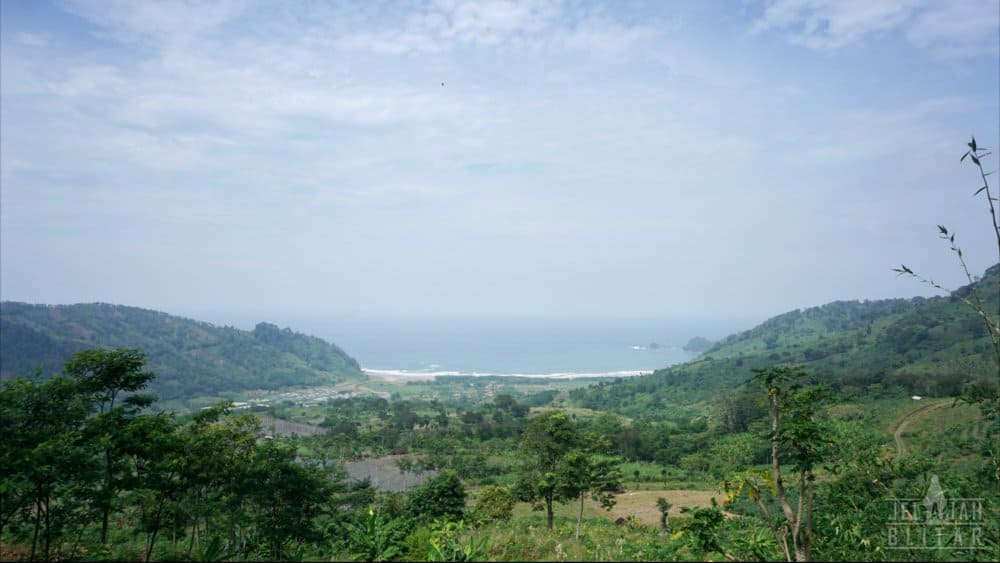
{"type": "Point", "coordinates": [547, 438]}
{"type": "Point", "coordinates": [156, 456]}
{"type": "Point", "coordinates": [106, 375]}
{"type": "Point", "coordinates": [287, 494]}
{"type": "Point", "coordinates": [799, 443]}
{"type": "Point", "coordinates": [45, 457]}
{"type": "Point", "coordinates": [586, 472]}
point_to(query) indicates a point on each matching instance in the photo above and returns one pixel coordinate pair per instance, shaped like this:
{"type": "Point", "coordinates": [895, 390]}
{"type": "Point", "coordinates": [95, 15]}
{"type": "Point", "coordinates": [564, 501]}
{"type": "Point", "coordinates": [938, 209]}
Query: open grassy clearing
{"type": "Point", "coordinates": [641, 504]}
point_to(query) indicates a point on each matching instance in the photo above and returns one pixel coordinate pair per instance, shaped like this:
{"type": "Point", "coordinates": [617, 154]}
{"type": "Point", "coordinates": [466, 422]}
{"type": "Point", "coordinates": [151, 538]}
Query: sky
{"type": "Point", "coordinates": [629, 159]}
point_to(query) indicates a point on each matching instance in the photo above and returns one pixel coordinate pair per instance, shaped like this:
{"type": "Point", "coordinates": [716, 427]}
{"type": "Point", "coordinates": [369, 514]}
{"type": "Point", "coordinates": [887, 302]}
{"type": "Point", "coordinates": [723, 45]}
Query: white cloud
{"type": "Point", "coordinates": [831, 24]}
{"type": "Point", "coordinates": [156, 22]}
{"type": "Point", "coordinates": [601, 36]}
{"type": "Point", "coordinates": [449, 24]}
{"type": "Point", "coordinates": [960, 28]}
{"type": "Point", "coordinates": [489, 22]}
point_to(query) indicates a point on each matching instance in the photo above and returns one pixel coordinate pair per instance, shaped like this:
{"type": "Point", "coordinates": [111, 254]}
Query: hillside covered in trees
{"type": "Point", "coordinates": [923, 346]}
{"type": "Point", "coordinates": [189, 357]}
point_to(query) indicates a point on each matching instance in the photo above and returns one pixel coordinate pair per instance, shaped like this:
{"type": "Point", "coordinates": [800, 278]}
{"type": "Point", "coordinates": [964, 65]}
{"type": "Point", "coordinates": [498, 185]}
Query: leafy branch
{"type": "Point", "coordinates": [975, 154]}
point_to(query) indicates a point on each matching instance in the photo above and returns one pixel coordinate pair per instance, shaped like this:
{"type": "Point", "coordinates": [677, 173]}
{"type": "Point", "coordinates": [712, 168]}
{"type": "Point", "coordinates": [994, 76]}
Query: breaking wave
{"type": "Point", "coordinates": [424, 374]}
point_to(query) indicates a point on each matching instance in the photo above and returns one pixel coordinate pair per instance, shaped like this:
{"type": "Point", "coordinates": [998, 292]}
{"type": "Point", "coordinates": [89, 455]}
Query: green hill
{"type": "Point", "coordinates": [925, 346]}
{"type": "Point", "coordinates": [189, 357]}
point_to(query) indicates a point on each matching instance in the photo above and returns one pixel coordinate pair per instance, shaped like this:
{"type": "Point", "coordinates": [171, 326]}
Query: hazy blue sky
{"type": "Point", "coordinates": [636, 159]}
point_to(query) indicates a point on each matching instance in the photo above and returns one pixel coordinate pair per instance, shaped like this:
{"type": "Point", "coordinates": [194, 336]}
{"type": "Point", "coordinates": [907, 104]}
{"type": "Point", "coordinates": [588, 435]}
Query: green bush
{"type": "Point", "coordinates": [495, 503]}
{"type": "Point", "coordinates": [442, 496]}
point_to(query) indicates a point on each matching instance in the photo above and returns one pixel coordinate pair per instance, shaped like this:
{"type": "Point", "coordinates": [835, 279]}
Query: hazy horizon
{"type": "Point", "coordinates": [448, 158]}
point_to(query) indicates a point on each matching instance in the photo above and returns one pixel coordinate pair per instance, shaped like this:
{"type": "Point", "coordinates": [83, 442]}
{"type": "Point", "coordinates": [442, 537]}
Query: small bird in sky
{"type": "Point", "coordinates": [442, 83]}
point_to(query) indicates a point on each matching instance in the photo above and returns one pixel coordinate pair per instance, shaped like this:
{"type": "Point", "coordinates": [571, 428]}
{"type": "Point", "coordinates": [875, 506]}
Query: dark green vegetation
{"type": "Point", "coordinates": [190, 358]}
{"type": "Point", "coordinates": [90, 472]}
{"type": "Point", "coordinates": [82, 456]}
{"type": "Point", "coordinates": [924, 346]}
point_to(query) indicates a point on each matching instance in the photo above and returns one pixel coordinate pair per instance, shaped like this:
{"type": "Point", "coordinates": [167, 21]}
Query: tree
{"type": "Point", "coordinates": [664, 507]}
{"type": "Point", "coordinates": [495, 502]}
{"type": "Point", "coordinates": [738, 410]}
{"type": "Point", "coordinates": [155, 464]}
{"type": "Point", "coordinates": [45, 460]}
{"type": "Point", "coordinates": [106, 374]}
{"type": "Point", "coordinates": [286, 494]}
{"type": "Point", "coordinates": [217, 475]}
{"type": "Point", "coordinates": [442, 496]}
{"type": "Point", "coordinates": [583, 472]}
{"type": "Point", "coordinates": [545, 441]}
{"type": "Point", "coordinates": [800, 442]}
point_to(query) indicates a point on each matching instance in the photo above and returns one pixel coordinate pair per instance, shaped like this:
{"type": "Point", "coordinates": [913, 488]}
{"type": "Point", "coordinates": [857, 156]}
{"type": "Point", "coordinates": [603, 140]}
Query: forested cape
{"type": "Point", "coordinates": [923, 346]}
{"type": "Point", "coordinates": [189, 357]}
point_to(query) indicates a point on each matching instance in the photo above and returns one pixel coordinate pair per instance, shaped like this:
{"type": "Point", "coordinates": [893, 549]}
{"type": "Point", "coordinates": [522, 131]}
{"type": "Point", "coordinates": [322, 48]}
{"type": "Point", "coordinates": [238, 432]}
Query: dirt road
{"type": "Point", "coordinates": [913, 415]}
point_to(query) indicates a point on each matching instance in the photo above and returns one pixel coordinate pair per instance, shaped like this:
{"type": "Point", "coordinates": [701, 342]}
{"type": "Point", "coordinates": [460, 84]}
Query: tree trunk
{"type": "Point", "coordinates": [48, 530]}
{"type": "Point", "coordinates": [197, 516]}
{"type": "Point", "coordinates": [106, 501]}
{"type": "Point", "coordinates": [579, 517]}
{"type": "Point", "coordinates": [38, 522]}
{"type": "Point", "coordinates": [156, 528]}
{"type": "Point", "coordinates": [809, 509]}
{"type": "Point", "coordinates": [548, 512]}
{"type": "Point", "coordinates": [779, 484]}
{"type": "Point", "coordinates": [76, 542]}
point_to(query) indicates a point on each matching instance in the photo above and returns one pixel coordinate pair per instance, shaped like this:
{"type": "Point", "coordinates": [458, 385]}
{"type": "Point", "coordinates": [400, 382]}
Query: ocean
{"type": "Point", "coordinates": [538, 347]}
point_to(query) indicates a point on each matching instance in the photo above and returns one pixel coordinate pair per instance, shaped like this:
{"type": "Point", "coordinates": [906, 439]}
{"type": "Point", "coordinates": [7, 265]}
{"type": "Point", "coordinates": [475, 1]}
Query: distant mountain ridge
{"type": "Point", "coordinates": [189, 357]}
{"type": "Point", "coordinates": [927, 346]}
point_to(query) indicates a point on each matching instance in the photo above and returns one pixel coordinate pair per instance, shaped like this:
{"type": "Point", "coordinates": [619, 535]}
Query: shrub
{"type": "Point", "coordinates": [495, 503]}
{"type": "Point", "coordinates": [441, 496]}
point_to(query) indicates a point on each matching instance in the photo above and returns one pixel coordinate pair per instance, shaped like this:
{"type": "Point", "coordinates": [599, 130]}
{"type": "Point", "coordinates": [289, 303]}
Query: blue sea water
{"type": "Point", "coordinates": [468, 345]}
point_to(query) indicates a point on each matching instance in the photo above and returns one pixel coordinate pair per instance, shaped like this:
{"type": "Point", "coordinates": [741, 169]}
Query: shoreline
{"type": "Point", "coordinates": [402, 376]}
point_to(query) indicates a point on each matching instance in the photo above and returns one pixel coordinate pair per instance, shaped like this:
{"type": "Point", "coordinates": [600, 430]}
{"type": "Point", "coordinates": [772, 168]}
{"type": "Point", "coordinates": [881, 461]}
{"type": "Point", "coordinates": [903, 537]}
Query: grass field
{"type": "Point", "coordinates": [641, 504]}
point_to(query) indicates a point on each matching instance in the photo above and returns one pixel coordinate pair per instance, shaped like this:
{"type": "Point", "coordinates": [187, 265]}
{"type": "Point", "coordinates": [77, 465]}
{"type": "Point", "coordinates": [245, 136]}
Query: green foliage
{"type": "Point", "coordinates": [970, 295]}
{"type": "Point", "coordinates": [83, 453]}
{"type": "Point", "coordinates": [701, 531]}
{"type": "Point", "coordinates": [445, 543]}
{"type": "Point", "coordinates": [924, 346]}
{"type": "Point", "coordinates": [442, 496]}
{"type": "Point", "coordinates": [191, 358]}
{"type": "Point", "coordinates": [545, 441]}
{"type": "Point", "coordinates": [211, 551]}
{"type": "Point", "coordinates": [107, 373]}
{"type": "Point", "coordinates": [375, 539]}
{"type": "Point", "coordinates": [46, 463]}
{"type": "Point", "coordinates": [585, 472]}
{"type": "Point", "coordinates": [495, 502]}
{"type": "Point", "coordinates": [664, 507]}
